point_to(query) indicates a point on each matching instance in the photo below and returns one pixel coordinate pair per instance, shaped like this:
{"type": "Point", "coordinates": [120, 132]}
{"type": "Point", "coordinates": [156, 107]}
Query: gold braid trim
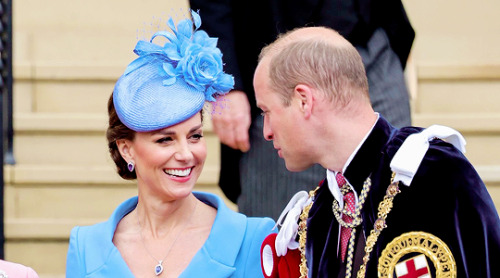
{"type": "Point", "coordinates": [384, 208]}
{"type": "Point", "coordinates": [303, 235]}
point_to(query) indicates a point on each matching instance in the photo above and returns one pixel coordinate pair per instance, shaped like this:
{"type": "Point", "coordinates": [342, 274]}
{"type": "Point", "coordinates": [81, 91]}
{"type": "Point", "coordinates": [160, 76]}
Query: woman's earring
{"type": "Point", "coordinates": [131, 166]}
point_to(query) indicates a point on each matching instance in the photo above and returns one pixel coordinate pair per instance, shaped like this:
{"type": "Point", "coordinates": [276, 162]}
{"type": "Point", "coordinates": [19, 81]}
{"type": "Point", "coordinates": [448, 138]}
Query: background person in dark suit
{"type": "Point", "coordinates": [251, 175]}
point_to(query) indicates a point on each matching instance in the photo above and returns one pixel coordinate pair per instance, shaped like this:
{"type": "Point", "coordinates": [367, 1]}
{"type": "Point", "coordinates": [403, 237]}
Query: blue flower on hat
{"type": "Point", "coordinates": [189, 54]}
{"type": "Point", "coordinates": [168, 84]}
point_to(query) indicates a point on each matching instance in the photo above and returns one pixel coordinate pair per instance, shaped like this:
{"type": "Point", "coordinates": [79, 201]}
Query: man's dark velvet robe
{"type": "Point", "coordinates": [446, 198]}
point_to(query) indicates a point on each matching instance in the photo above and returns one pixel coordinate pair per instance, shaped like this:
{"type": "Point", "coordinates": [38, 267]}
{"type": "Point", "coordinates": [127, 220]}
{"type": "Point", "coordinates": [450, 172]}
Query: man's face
{"type": "Point", "coordinates": [281, 123]}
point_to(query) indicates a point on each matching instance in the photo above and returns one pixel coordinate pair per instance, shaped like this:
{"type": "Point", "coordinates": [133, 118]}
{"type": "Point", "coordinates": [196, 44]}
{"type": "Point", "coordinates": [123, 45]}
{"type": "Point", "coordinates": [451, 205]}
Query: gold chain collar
{"type": "Point", "coordinates": [384, 208]}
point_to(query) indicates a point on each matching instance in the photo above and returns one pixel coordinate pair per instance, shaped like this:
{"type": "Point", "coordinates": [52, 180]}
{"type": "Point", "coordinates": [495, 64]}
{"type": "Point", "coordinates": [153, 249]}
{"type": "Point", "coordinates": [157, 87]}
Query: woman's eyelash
{"type": "Point", "coordinates": [168, 139]}
{"type": "Point", "coordinates": [164, 139]}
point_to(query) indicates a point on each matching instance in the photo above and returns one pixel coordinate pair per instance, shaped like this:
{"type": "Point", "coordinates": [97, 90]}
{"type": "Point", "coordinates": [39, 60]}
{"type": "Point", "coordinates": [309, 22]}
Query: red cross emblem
{"type": "Point", "coordinates": [415, 267]}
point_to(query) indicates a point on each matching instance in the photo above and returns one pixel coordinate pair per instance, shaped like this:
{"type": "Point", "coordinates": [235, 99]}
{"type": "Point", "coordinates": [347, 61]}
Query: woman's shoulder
{"type": "Point", "coordinates": [228, 217]}
{"type": "Point", "coordinates": [260, 222]}
{"type": "Point", "coordinates": [85, 233]}
{"type": "Point", "coordinates": [241, 235]}
{"type": "Point", "coordinates": [102, 232]}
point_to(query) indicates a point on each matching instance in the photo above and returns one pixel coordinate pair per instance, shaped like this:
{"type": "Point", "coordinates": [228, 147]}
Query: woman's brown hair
{"type": "Point", "coordinates": [117, 130]}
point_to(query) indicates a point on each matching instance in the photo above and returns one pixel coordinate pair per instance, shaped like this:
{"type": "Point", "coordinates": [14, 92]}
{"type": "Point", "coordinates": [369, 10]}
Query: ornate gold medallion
{"type": "Point", "coordinates": [420, 246]}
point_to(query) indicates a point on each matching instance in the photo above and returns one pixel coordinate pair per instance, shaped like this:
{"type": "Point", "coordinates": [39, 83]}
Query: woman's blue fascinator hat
{"type": "Point", "coordinates": [169, 84]}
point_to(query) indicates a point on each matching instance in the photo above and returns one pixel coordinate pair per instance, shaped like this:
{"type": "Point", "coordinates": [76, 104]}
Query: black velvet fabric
{"type": "Point", "coordinates": [446, 198]}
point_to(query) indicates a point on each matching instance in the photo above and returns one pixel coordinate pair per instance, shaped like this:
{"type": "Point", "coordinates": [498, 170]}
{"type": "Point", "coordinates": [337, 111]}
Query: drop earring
{"type": "Point", "coordinates": [131, 166]}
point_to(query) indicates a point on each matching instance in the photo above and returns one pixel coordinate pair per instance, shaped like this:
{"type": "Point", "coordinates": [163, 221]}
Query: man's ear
{"type": "Point", "coordinates": [124, 147]}
{"type": "Point", "coordinates": [304, 96]}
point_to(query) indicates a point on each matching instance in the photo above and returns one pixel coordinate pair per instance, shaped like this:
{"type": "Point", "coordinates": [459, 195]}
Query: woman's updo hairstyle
{"type": "Point", "coordinates": [117, 130]}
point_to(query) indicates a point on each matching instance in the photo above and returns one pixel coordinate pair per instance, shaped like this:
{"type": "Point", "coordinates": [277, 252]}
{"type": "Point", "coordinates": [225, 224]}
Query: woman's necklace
{"type": "Point", "coordinates": [159, 267]}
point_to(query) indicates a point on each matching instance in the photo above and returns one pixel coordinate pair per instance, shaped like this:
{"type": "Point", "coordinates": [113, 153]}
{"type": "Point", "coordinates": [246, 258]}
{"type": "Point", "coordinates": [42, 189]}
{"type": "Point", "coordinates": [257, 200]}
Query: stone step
{"type": "Point", "coordinates": [456, 89]}
{"type": "Point", "coordinates": [54, 206]}
{"type": "Point", "coordinates": [480, 130]}
{"type": "Point", "coordinates": [76, 139]}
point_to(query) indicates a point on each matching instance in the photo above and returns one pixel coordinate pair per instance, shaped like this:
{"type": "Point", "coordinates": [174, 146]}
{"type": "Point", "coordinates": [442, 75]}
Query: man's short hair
{"type": "Point", "coordinates": [335, 69]}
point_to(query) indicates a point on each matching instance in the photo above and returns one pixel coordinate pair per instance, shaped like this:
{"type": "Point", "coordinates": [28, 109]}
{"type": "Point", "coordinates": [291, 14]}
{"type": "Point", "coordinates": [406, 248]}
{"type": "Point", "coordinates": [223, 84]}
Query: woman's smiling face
{"type": "Point", "coordinates": [169, 161]}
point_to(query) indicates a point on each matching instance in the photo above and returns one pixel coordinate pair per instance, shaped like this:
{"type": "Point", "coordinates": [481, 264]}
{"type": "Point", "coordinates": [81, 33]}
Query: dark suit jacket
{"type": "Point", "coordinates": [244, 27]}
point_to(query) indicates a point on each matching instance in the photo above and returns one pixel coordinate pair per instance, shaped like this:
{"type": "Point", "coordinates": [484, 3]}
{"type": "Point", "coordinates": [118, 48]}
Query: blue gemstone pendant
{"type": "Point", "coordinates": [158, 268]}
